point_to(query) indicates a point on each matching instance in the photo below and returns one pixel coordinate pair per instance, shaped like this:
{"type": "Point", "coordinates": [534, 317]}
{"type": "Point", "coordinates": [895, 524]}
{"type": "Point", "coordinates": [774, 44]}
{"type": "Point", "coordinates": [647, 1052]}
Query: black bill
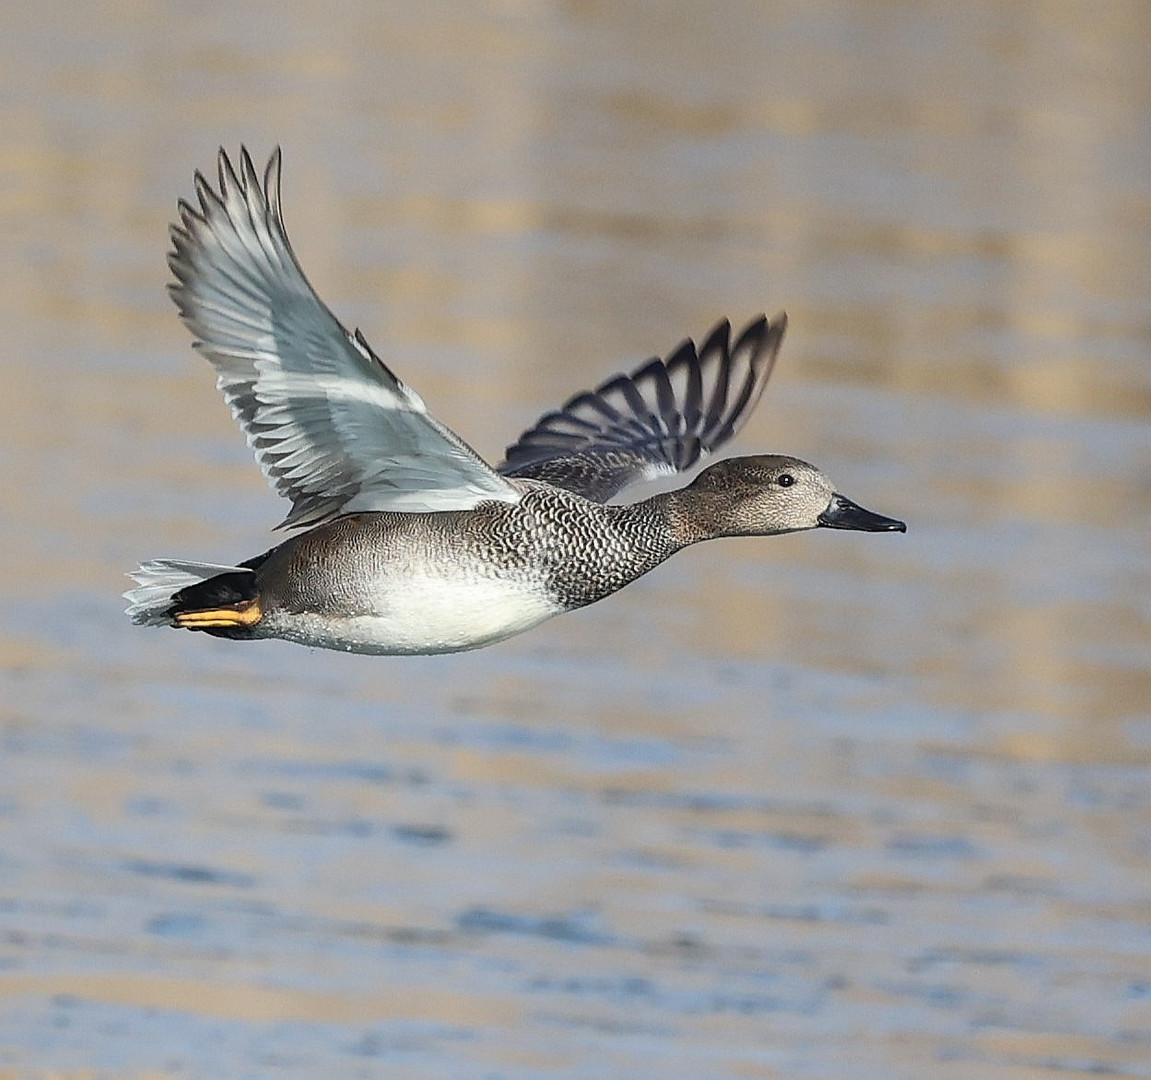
{"type": "Point", "coordinates": [842, 513]}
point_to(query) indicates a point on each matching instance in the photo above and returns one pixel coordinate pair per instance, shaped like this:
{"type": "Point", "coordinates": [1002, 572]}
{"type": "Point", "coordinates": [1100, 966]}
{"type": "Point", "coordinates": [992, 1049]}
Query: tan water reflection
{"type": "Point", "coordinates": [821, 806]}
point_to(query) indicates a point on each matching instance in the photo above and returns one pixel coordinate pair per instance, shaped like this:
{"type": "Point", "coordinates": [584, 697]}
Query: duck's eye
{"type": "Point", "coordinates": [785, 479]}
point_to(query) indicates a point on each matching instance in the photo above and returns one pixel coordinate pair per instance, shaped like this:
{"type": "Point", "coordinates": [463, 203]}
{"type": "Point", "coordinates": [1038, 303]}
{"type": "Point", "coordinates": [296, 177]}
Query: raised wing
{"type": "Point", "coordinates": [332, 428]}
{"type": "Point", "coordinates": [662, 418]}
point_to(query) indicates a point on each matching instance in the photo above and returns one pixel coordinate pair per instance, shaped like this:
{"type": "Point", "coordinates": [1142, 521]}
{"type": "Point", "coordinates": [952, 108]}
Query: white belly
{"type": "Point", "coordinates": [422, 615]}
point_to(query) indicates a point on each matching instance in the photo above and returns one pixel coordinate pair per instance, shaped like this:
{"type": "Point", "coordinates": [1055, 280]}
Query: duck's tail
{"type": "Point", "coordinates": [166, 588]}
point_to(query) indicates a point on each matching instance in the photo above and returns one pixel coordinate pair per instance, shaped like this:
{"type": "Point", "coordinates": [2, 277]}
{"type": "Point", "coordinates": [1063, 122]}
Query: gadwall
{"type": "Point", "coordinates": [413, 544]}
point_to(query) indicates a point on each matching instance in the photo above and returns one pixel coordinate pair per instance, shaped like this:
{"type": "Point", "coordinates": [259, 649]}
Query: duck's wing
{"type": "Point", "coordinates": [332, 428]}
{"type": "Point", "coordinates": [662, 418]}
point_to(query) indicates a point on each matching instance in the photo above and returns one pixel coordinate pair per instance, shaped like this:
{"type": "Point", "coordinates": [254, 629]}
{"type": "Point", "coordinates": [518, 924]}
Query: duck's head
{"type": "Point", "coordinates": [770, 493]}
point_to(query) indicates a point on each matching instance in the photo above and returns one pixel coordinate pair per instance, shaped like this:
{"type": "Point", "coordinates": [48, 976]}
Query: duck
{"type": "Point", "coordinates": [404, 541]}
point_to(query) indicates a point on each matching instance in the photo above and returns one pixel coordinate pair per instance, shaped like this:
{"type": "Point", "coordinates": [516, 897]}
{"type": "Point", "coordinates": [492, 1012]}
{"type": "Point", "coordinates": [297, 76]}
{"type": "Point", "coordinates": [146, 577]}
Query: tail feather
{"type": "Point", "coordinates": [153, 601]}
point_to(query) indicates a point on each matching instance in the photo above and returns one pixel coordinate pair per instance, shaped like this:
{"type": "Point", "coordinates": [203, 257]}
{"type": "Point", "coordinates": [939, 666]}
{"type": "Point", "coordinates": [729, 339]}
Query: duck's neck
{"type": "Point", "coordinates": [686, 515]}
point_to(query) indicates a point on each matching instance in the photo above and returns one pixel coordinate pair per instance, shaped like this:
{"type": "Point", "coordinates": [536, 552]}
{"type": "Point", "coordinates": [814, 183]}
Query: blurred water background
{"type": "Point", "coordinates": [829, 805]}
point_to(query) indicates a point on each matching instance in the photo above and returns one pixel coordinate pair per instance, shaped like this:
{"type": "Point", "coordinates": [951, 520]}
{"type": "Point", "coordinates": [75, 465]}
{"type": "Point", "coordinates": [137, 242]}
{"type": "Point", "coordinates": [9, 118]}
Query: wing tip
{"type": "Point", "coordinates": [272, 173]}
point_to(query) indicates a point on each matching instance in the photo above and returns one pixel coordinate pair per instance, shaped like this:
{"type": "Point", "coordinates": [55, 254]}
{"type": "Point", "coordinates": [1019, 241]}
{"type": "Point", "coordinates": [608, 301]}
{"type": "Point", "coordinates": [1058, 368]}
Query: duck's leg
{"type": "Point", "coordinates": [246, 613]}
